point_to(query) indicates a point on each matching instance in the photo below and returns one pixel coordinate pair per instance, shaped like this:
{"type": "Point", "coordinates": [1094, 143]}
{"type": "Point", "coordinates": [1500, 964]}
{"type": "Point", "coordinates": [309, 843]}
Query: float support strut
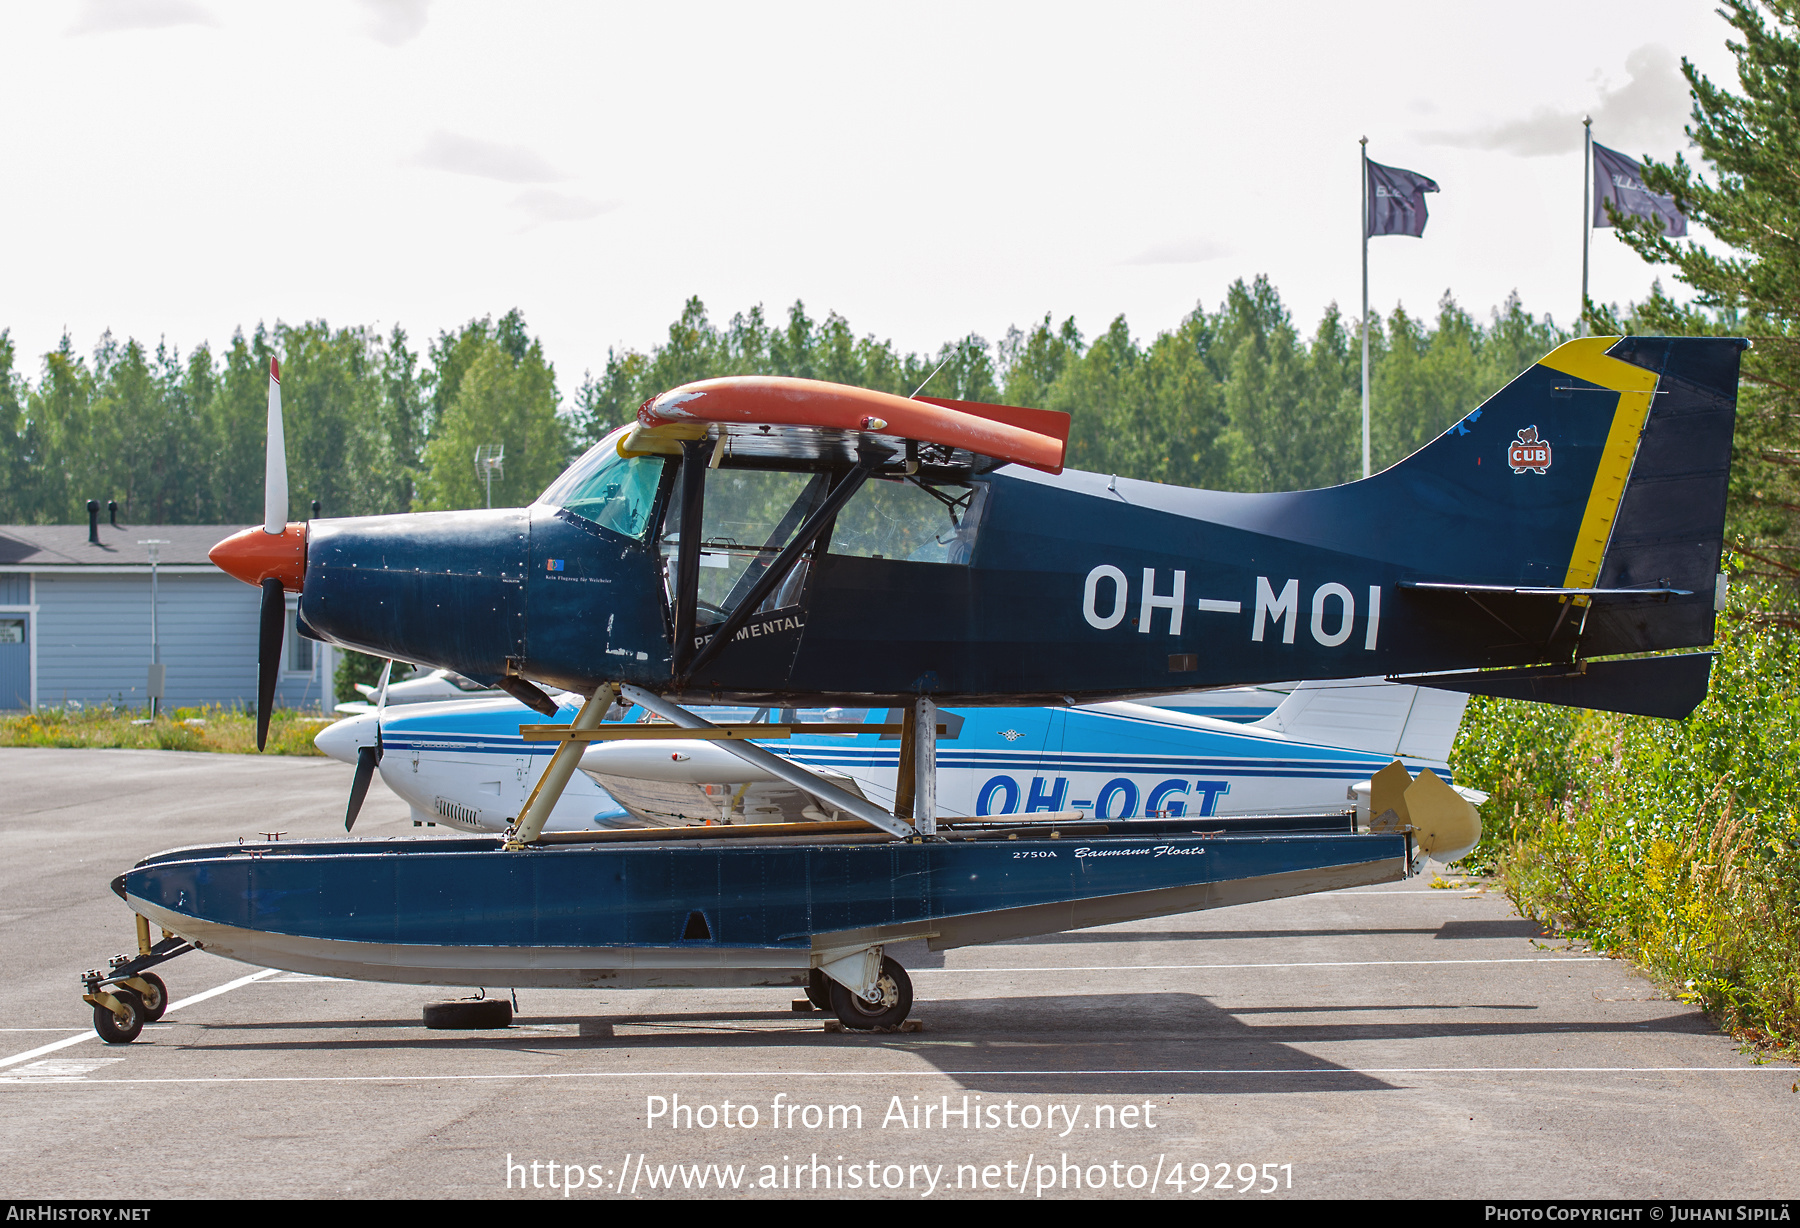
{"type": "Point", "coordinates": [556, 776]}
{"type": "Point", "coordinates": [775, 765]}
{"type": "Point", "coordinates": [924, 748]}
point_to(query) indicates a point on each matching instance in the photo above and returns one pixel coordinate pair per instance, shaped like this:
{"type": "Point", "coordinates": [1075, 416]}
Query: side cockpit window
{"type": "Point", "coordinates": [748, 517]}
{"type": "Point", "coordinates": [615, 492]}
{"type": "Point", "coordinates": [902, 518]}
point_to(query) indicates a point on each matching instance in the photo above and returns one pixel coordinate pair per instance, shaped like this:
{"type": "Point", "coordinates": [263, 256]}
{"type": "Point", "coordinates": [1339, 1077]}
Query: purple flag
{"type": "Point", "coordinates": [1396, 201]}
{"type": "Point", "coordinates": [1620, 180]}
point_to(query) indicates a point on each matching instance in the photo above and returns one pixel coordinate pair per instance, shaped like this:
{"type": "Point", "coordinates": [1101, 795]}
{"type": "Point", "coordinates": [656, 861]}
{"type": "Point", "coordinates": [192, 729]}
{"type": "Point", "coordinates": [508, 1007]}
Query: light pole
{"type": "Point", "coordinates": [1587, 216]}
{"type": "Point", "coordinates": [1365, 309]}
{"type": "Point", "coordinates": [155, 688]}
{"type": "Point", "coordinates": [489, 463]}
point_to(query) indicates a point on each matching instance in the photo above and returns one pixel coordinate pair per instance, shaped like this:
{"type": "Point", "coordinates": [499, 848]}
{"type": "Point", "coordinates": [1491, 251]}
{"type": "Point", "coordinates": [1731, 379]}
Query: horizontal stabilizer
{"type": "Point", "coordinates": [1540, 591]}
{"type": "Point", "coordinates": [1668, 687]}
{"type": "Point", "coordinates": [1369, 714]}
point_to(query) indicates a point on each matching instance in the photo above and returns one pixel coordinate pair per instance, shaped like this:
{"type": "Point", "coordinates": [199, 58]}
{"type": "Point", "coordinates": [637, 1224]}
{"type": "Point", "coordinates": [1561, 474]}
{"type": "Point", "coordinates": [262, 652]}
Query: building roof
{"type": "Point", "coordinates": [34, 546]}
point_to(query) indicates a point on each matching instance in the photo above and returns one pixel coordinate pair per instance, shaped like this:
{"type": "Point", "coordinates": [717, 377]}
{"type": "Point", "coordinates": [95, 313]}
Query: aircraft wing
{"type": "Point", "coordinates": [681, 803]}
{"type": "Point", "coordinates": [777, 417]}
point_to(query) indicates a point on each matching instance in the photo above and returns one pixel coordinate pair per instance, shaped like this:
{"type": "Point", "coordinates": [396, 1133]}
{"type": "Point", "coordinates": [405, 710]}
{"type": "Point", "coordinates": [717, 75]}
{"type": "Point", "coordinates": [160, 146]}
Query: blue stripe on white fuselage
{"type": "Point", "coordinates": [1047, 742]}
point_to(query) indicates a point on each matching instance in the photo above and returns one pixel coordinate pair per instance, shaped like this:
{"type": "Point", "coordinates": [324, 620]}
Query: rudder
{"type": "Point", "coordinates": [1670, 527]}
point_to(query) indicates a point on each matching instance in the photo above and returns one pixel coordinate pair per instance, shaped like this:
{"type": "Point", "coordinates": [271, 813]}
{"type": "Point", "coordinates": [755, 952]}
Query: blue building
{"type": "Point", "coordinates": [76, 621]}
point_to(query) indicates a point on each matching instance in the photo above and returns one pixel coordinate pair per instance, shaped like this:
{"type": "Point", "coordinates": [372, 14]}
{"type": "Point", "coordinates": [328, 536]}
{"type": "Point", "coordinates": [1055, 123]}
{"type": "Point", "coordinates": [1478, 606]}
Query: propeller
{"type": "Point", "coordinates": [368, 758]}
{"type": "Point", "coordinates": [274, 604]}
{"type": "Point", "coordinates": [271, 556]}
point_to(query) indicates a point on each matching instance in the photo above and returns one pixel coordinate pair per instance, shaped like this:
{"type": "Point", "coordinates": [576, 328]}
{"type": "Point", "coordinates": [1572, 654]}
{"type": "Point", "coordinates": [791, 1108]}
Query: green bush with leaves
{"type": "Point", "coordinates": [1673, 843]}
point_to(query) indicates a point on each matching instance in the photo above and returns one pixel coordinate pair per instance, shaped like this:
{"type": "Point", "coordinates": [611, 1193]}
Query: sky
{"type": "Point", "coordinates": [177, 169]}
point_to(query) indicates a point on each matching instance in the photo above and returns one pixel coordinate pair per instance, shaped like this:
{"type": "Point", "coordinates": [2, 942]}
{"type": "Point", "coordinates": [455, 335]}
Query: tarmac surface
{"type": "Point", "coordinates": [1395, 1041]}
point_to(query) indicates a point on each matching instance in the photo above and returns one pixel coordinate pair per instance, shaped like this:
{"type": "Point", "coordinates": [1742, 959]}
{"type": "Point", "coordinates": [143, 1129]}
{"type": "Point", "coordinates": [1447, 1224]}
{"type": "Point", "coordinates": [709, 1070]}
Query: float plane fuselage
{"type": "Point", "coordinates": [775, 541]}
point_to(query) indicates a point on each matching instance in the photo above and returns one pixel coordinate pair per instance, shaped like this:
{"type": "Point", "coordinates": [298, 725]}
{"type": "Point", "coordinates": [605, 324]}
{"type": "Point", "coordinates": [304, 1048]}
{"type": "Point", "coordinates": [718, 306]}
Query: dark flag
{"type": "Point", "coordinates": [1396, 201]}
{"type": "Point", "coordinates": [1620, 180]}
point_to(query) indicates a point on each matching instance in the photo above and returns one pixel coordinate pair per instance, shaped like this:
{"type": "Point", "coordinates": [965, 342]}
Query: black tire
{"type": "Point", "coordinates": [818, 990]}
{"type": "Point", "coordinates": [469, 1015]}
{"type": "Point", "coordinates": [114, 1030]}
{"type": "Point", "coordinates": [155, 1003]}
{"type": "Point", "coordinates": [895, 1004]}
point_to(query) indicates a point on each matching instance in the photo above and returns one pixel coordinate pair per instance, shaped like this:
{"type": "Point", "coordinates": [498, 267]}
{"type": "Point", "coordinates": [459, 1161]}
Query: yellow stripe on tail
{"type": "Point", "coordinates": [1586, 359]}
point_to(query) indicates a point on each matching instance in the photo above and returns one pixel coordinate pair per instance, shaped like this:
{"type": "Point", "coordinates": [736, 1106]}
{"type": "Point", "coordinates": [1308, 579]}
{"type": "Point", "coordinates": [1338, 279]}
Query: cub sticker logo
{"type": "Point", "coordinates": [1529, 452]}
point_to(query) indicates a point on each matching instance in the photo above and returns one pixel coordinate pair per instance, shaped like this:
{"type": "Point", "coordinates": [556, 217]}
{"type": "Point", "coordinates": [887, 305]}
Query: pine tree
{"type": "Point", "coordinates": [1751, 143]}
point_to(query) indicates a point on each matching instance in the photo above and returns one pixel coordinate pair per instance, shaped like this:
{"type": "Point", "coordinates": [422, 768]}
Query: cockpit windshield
{"type": "Point", "coordinates": [615, 492]}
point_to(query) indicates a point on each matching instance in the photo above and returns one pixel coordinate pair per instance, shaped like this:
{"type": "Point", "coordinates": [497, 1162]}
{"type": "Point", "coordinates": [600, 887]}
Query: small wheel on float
{"type": "Point", "coordinates": [818, 990]}
{"type": "Point", "coordinates": [157, 1000]}
{"type": "Point", "coordinates": [120, 1029]}
{"type": "Point", "coordinates": [895, 1003]}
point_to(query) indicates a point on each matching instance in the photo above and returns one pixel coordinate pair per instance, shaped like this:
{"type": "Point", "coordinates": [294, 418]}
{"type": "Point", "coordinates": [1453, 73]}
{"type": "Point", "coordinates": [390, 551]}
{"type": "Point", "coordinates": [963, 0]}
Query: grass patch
{"type": "Point", "coordinates": [103, 726]}
{"type": "Point", "coordinates": [1675, 844]}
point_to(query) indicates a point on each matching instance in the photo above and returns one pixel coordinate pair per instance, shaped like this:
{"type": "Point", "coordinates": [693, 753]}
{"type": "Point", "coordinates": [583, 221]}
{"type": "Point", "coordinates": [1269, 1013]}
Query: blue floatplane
{"type": "Point", "coordinates": [787, 544]}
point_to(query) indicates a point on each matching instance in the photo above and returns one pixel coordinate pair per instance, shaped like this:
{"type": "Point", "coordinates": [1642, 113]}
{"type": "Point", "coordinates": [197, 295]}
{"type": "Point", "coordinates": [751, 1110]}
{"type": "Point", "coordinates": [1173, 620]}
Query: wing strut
{"type": "Point", "coordinates": [776, 572]}
{"type": "Point", "coordinates": [775, 765]}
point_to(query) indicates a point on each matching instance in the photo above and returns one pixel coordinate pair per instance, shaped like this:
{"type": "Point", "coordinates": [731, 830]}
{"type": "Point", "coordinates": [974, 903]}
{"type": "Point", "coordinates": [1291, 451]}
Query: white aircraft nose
{"type": "Point", "coordinates": [344, 738]}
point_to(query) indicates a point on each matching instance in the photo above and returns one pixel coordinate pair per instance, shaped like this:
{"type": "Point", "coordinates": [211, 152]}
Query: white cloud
{"type": "Point", "coordinates": [107, 16]}
{"type": "Point", "coordinates": [395, 22]}
{"type": "Point", "coordinates": [465, 155]}
{"type": "Point", "coordinates": [547, 205]}
{"type": "Point", "coordinates": [1181, 251]}
{"type": "Point", "coordinates": [1647, 112]}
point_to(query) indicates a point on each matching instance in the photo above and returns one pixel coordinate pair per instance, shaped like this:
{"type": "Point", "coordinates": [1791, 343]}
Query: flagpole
{"type": "Point", "coordinates": [1587, 214]}
{"type": "Point", "coordinates": [1365, 306]}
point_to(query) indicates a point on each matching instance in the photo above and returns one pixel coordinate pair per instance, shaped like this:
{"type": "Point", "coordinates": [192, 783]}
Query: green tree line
{"type": "Point", "coordinates": [372, 426]}
{"type": "Point", "coordinates": [1234, 397]}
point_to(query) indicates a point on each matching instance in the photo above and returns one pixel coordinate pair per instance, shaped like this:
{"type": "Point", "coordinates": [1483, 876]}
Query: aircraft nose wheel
{"type": "Point", "coordinates": [116, 1029]}
{"type": "Point", "coordinates": [861, 1015]}
{"type": "Point", "coordinates": [141, 994]}
{"type": "Point", "coordinates": [157, 1000]}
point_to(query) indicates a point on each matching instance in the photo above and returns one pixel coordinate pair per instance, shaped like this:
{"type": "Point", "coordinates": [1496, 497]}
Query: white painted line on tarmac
{"type": "Point", "coordinates": [50, 1048]}
{"type": "Point", "coordinates": [57, 1070]}
{"type": "Point", "coordinates": [1346, 963]}
{"type": "Point", "coordinates": [227, 987]}
{"type": "Point", "coordinates": [1784, 1071]}
{"type": "Point", "coordinates": [202, 996]}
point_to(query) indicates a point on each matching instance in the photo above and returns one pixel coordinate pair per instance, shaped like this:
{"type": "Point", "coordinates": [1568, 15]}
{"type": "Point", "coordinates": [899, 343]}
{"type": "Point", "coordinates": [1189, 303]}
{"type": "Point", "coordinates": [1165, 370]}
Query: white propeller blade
{"type": "Point", "coordinates": [387, 672]}
{"type": "Point", "coordinates": [275, 488]}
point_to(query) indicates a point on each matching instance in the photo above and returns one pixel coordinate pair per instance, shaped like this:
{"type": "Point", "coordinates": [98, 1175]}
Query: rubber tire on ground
{"type": "Point", "coordinates": [153, 1010]}
{"type": "Point", "coordinates": [818, 990]}
{"type": "Point", "coordinates": [114, 1030]}
{"type": "Point", "coordinates": [861, 1016]}
{"type": "Point", "coordinates": [468, 1015]}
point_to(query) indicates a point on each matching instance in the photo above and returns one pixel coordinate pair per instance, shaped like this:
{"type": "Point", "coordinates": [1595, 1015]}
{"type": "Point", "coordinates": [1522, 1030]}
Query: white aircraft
{"type": "Point", "coordinates": [421, 686]}
{"type": "Point", "coordinates": [465, 764]}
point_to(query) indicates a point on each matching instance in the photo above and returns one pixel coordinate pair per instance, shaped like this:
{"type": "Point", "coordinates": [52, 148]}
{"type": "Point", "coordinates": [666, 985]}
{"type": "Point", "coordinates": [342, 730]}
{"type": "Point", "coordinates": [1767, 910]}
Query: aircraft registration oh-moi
{"type": "Point", "coordinates": [787, 543]}
{"type": "Point", "coordinates": [466, 765]}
